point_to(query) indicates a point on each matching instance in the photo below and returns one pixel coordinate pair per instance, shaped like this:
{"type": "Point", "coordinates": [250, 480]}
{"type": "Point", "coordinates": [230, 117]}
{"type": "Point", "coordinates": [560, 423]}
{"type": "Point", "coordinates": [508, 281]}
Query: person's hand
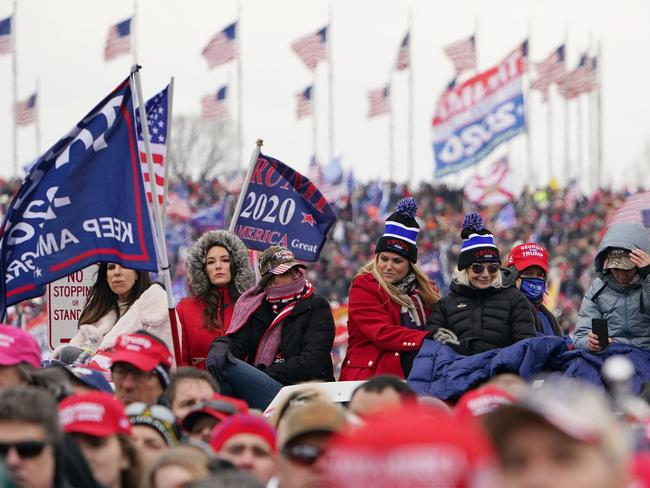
{"type": "Point", "coordinates": [217, 357]}
{"type": "Point", "coordinates": [640, 258]}
{"type": "Point", "coordinates": [593, 344]}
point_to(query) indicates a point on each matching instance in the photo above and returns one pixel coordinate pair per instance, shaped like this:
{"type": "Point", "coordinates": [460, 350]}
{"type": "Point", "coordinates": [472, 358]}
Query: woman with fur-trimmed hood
{"type": "Point", "coordinates": [218, 271]}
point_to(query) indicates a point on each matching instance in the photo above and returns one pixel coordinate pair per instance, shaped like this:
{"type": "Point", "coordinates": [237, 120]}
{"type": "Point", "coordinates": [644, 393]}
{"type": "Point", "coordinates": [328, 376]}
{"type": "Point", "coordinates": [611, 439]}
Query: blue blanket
{"type": "Point", "coordinates": [441, 372]}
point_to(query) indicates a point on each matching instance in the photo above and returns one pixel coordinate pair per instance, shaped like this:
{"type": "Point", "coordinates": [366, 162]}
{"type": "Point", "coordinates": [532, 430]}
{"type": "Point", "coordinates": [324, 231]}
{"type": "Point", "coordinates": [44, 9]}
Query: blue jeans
{"type": "Point", "coordinates": [241, 380]}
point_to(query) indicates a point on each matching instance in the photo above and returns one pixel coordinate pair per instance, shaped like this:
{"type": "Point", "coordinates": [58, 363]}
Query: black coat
{"type": "Point", "coordinates": [484, 319]}
{"type": "Point", "coordinates": [306, 341]}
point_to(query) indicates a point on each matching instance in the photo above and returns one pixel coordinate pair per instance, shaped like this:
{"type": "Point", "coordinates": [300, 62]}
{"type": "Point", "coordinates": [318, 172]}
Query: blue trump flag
{"type": "Point", "coordinates": [82, 202]}
{"type": "Point", "coordinates": [283, 208]}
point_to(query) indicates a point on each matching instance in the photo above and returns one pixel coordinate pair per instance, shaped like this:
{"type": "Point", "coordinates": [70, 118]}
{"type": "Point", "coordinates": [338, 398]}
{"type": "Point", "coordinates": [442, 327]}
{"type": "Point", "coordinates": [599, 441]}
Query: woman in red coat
{"type": "Point", "coordinates": [219, 271]}
{"type": "Point", "coordinates": [390, 300]}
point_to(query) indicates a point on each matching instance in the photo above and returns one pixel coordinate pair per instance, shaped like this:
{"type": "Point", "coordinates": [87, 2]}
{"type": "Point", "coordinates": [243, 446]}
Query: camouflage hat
{"type": "Point", "coordinates": [619, 259]}
{"type": "Point", "coordinates": [277, 260]}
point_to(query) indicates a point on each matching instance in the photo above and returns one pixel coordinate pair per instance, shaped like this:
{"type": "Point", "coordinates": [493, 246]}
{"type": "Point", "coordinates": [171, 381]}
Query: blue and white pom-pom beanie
{"type": "Point", "coordinates": [478, 243]}
{"type": "Point", "coordinates": [401, 231]}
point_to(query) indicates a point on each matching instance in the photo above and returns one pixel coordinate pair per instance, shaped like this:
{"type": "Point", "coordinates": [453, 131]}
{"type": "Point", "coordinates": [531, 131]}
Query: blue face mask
{"type": "Point", "coordinates": [533, 288]}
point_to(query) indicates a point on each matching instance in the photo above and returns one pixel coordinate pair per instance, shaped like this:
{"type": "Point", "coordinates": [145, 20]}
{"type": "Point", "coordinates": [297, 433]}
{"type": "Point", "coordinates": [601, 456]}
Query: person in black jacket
{"type": "Point", "coordinates": [480, 313]}
{"type": "Point", "coordinates": [281, 333]}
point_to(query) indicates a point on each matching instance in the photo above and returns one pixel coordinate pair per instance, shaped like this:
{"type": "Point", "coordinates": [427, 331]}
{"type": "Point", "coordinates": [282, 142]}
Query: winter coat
{"type": "Point", "coordinates": [148, 312]}
{"type": "Point", "coordinates": [307, 337]}
{"type": "Point", "coordinates": [196, 337]}
{"type": "Point", "coordinates": [376, 339]}
{"type": "Point", "coordinates": [484, 319]}
{"type": "Point", "coordinates": [627, 310]}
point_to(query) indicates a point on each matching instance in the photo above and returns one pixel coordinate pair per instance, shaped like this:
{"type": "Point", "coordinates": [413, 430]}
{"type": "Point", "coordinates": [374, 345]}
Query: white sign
{"type": "Point", "coordinates": [66, 299]}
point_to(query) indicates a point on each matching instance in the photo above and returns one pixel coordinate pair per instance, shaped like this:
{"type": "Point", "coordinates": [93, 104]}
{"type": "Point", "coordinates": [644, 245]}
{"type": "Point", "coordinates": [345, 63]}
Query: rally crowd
{"type": "Point", "coordinates": [124, 404]}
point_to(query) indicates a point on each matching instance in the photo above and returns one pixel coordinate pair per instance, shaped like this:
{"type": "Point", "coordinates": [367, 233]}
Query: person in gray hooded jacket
{"type": "Point", "coordinates": [620, 292]}
{"type": "Point", "coordinates": [219, 271]}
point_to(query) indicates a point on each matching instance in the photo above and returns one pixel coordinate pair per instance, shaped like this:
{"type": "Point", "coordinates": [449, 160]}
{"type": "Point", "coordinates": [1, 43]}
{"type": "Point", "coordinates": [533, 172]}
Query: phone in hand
{"type": "Point", "coordinates": [599, 327]}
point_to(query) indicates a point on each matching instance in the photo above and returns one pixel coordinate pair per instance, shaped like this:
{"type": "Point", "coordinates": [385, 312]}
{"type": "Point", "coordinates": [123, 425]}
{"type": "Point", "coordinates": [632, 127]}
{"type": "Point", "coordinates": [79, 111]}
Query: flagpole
{"type": "Point", "coordinates": [580, 130]}
{"type": "Point", "coordinates": [163, 265]}
{"type": "Point", "coordinates": [37, 125]}
{"type": "Point", "coordinates": [14, 73]}
{"type": "Point", "coordinates": [330, 74]}
{"type": "Point", "coordinates": [599, 115]}
{"type": "Point", "coordinates": [549, 122]}
{"type": "Point", "coordinates": [528, 112]}
{"type": "Point", "coordinates": [240, 89]}
{"type": "Point", "coordinates": [314, 118]}
{"type": "Point", "coordinates": [391, 130]}
{"type": "Point", "coordinates": [134, 39]}
{"type": "Point", "coordinates": [567, 152]}
{"type": "Point", "coordinates": [170, 103]}
{"type": "Point", "coordinates": [244, 189]}
{"type": "Point", "coordinates": [411, 169]}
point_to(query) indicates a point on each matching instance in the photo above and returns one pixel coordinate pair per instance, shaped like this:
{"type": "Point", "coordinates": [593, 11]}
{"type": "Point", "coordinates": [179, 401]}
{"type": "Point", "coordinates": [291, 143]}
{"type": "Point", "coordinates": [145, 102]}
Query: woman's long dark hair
{"type": "Point", "coordinates": [214, 314]}
{"type": "Point", "coordinates": [102, 300]}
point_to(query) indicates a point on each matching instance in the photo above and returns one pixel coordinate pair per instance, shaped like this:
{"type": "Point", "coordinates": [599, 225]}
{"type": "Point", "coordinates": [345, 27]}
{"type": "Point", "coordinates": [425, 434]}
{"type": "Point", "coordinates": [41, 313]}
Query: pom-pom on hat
{"type": "Point", "coordinates": [478, 243]}
{"type": "Point", "coordinates": [401, 231]}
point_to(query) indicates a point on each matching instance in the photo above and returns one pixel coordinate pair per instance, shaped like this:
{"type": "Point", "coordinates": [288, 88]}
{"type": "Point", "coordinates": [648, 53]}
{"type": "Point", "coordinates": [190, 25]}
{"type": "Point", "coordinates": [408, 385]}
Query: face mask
{"type": "Point", "coordinates": [533, 288]}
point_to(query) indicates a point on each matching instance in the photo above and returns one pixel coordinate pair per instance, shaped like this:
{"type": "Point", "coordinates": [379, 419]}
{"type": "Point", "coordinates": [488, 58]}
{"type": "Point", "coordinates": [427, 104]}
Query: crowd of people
{"type": "Point", "coordinates": [130, 401]}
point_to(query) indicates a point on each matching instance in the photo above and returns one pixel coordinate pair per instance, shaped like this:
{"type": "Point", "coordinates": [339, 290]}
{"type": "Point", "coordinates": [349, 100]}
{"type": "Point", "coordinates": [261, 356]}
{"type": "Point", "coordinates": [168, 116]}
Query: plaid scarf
{"type": "Point", "coordinates": [283, 305]}
{"type": "Point", "coordinates": [412, 317]}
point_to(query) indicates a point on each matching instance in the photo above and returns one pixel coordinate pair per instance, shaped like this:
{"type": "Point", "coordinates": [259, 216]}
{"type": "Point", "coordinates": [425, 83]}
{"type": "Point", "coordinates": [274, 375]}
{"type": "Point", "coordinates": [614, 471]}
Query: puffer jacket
{"type": "Point", "coordinates": [484, 319]}
{"type": "Point", "coordinates": [196, 337]}
{"type": "Point", "coordinates": [627, 310]}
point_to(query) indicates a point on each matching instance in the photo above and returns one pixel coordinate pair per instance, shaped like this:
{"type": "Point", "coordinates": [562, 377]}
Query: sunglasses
{"type": "Point", "coordinates": [303, 454]}
{"type": "Point", "coordinates": [479, 268]}
{"type": "Point", "coordinates": [219, 406]}
{"type": "Point", "coordinates": [156, 411]}
{"type": "Point", "coordinates": [25, 449]}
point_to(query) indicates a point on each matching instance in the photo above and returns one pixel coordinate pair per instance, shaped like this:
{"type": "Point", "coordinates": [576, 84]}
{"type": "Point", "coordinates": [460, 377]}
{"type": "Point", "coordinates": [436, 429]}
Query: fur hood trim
{"type": "Point", "coordinates": [198, 282]}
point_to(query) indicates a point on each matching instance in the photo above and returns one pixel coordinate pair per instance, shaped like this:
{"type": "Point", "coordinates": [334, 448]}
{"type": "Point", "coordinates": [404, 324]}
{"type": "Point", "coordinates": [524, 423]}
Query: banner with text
{"type": "Point", "coordinates": [284, 208]}
{"type": "Point", "coordinates": [82, 202]}
{"type": "Point", "coordinates": [474, 117]}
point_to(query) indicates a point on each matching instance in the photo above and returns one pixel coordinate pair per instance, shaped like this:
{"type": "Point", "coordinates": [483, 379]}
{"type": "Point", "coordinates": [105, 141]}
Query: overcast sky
{"type": "Point", "coordinates": [61, 44]}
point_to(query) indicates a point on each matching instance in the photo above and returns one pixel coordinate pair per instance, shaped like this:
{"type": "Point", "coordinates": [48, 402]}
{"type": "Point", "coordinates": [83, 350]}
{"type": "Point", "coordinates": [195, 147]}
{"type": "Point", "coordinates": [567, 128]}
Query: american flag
{"type": "Point", "coordinates": [304, 99]}
{"type": "Point", "coordinates": [312, 48]}
{"type": "Point", "coordinates": [330, 181]}
{"type": "Point", "coordinates": [215, 106]}
{"type": "Point", "coordinates": [632, 210]}
{"type": "Point", "coordinates": [118, 41]}
{"type": "Point", "coordinates": [572, 194]}
{"type": "Point", "coordinates": [403, 60]}
{"type": "Point", "coordinates": [26, 111]}
{"type": "Point", "coordinates": [463, 54]}
{"type": "Point", "coordinates": [550, 70]}
{"type": "Point", "coordinates": [379, 101]}
{"type": "Point", "coordinates": [580, 80]}
{"type": "Point", "coordinates": [157, 109]}
{"type": "Point", "coordinates": [177, 206]}
{"type": "Point", "coordinates": [5, 36]}
{"type": "Point", "coordinates": [222, 48]}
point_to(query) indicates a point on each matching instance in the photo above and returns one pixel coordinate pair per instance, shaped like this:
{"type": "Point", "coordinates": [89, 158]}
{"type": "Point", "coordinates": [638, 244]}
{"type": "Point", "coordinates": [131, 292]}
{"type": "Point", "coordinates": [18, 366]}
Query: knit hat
{"type": "Point", "coordinates": [411, 447]}
{"type": "Point", "coordinates": [478, 243]}
{"type": "Point", "coordinates": [243, 423]}
{"type": "Point", "coordinates": [158, 417]}
{"type": "Point", "coordinates": [401, 231]}
{"type": "Point", "coordinates": [95, 413]}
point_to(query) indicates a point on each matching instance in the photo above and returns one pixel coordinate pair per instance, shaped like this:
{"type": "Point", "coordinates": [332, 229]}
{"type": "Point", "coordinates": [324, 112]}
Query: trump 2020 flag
{"type": "Point", "coordinates": [284, 208]}
{"type": "Point", "coordinates": [82, 202]}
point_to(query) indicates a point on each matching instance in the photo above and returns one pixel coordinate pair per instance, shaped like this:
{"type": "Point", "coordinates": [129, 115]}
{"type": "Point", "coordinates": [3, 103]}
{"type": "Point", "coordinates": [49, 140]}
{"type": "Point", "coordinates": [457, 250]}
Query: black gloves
{"type": "Point", "coordinates": [217, 356]}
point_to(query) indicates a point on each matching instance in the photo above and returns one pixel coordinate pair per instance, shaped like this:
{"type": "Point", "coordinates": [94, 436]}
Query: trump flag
{"type": "Point", "coordinates": [82, 202]}
{"type": "Point", "coordinates": [282, 207]}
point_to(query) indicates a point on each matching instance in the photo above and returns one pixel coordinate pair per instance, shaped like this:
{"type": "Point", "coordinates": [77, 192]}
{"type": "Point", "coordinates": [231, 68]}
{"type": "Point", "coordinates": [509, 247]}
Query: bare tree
{"type": "Point", "coordinates": [202, 148]}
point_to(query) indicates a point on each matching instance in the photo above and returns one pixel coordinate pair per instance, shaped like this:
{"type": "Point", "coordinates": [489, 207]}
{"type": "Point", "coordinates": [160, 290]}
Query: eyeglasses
{"type": "Point", "coordinates": [119, 372]}
{"type": "Point", "coordinates": [303, 454]}
{"type": "Point", "coordinates": [479, 268]}
{"type": "Point", "coordinates": [25, 449]}
{"type": "Point", "coordinates": [156, 411]}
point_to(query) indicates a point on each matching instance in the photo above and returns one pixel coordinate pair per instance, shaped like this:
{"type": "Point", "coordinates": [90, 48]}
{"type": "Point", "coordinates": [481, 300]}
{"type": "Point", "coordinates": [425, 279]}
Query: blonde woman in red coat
{"type": "Point", "coordinates": [218, 271]}
{"type": "Point", "coordinates": [390, 300]}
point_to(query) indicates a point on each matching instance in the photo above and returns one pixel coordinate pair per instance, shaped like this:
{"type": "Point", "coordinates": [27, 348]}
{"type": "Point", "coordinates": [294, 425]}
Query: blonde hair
{"type": "Point", "coordinates": [425, 289]}
{"type": "Point", "coordinates": [191, 458]}
{"type": "Point", "coordinates": [462, 278]}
